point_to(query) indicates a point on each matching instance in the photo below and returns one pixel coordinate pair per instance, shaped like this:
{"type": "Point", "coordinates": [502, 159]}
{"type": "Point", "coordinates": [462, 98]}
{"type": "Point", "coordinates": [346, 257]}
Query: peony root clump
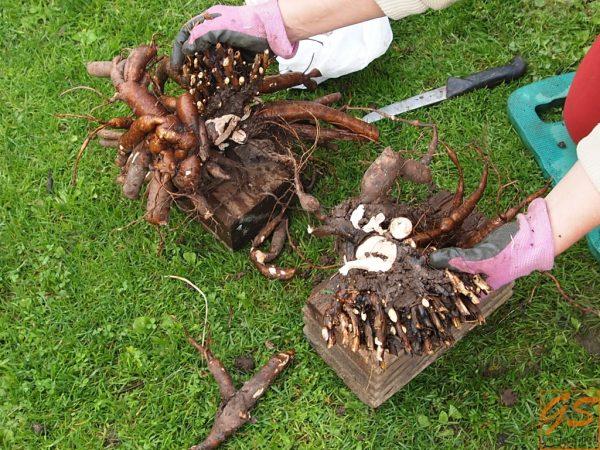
{"type": "Point", "coordinates": [212, 143]}
{"type": "Point", "coordinates": [386, 299]}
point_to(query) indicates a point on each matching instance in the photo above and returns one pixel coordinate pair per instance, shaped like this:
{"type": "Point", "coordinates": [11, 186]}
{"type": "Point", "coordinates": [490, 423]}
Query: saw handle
{"type": "Point", "coordinates": [489, 78]}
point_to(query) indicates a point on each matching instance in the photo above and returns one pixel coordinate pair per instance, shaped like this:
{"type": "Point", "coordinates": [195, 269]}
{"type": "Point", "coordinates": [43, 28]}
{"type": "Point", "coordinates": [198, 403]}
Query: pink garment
{"type": "Point", "coordinates": [530, 249]}
{"type": "Point", "coordinates": [254, 22]}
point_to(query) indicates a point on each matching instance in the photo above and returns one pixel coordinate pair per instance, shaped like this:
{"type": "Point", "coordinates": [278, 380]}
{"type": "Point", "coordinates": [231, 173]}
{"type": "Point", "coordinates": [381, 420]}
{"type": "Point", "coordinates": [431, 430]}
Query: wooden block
{"type": "Point", "coordinates": [241, 210]}
{"type": "Point", "coordinates": [372, 384]}
{"type": "Point", "coordinates": [241, 214]}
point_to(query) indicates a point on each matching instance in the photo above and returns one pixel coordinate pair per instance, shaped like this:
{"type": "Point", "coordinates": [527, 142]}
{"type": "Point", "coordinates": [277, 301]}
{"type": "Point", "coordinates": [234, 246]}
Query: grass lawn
{"type": "Point", "coordinates": [89, 354]}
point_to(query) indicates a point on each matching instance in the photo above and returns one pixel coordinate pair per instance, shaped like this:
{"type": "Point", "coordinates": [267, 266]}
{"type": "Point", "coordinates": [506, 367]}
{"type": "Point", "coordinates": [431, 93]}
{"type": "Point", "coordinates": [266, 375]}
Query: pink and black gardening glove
{"type": "Point", "coordinates": [512, 251]}
{"type": "Point", "coordinates": [253, 28]}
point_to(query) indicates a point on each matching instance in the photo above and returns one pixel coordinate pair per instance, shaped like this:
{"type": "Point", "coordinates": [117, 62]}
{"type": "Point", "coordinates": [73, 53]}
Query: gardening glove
{"type": "Point", "coordinates": [254, 28]}
{"type": "Point", "coordinates": [512, 251]}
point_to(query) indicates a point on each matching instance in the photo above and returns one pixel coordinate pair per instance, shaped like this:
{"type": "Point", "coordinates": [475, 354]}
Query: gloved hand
{"type": "Point", "coordinates": [512, 251]}
{"type": "Point", "coordinates": [254, 28]}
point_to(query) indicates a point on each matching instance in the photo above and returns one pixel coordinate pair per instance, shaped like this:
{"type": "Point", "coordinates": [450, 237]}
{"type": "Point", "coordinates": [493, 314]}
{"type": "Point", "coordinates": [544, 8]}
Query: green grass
{"type": "Point", "coordinates": [85, 307]}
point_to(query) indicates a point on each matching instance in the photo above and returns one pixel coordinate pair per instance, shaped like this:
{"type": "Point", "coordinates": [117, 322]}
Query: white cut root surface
{"type": "Point", "coordinates": [375, 254]}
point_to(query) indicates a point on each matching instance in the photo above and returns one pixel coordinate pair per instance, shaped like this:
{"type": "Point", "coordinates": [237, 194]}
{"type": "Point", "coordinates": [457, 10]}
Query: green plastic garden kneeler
{"type": "Point", "coordinates": [552, 147]}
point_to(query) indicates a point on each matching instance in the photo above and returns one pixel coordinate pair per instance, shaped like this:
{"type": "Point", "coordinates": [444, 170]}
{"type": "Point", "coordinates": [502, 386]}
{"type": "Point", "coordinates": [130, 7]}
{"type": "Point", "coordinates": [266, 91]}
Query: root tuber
{"type": "Point", "coordinates": [160, 199]}
{"type": "Point", "coordinates": [236, 405]}
{"type": "Point", "coordinates": [136, 173]}
{"type": "Point", "coordinates": [288, 80]}
{"type": "Point", "coordinates": [277, 229]}
{"type": "Point", "coordinates": [329, 99]}
{"type": "Point", "coordinates": [100, 69]}
{"type": "Point", "coordinates": [491, 225]}
{"type": "Point", "coordinates": [380, 176]}
{"type": "Point", "coordinates": [110, 135]}
{"type": "Point", "coordinates": [291, 111]}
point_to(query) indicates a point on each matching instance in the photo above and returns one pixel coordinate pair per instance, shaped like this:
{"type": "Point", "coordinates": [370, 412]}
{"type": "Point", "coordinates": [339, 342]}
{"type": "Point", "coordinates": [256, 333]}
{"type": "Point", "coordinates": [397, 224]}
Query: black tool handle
{"type": "Point", "coordinates": [487, 79]}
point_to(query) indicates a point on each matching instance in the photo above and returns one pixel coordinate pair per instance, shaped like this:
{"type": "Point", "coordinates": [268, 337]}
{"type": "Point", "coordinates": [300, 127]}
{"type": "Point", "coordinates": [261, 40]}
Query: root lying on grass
{"type": "Point", "coordinates": [234, 411]}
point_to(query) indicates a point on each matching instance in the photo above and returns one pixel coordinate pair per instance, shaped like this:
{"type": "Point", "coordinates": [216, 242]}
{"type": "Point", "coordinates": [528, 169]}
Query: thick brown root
{"type": "Point", "coordinates": [216, 369]}
{"type": "Point", "coordinates": [380, 176]}
{"type": "Point", "coordinates": [164, 72]}
{"type": "Point", "coordinates": [136, 173]}
{"type": "Point", "coordinates": [127, 78]}
{"type": "Point", "coordinates": [188, 176]}
{"type": "Point", "coordinates": [329, 99]}
{"type": "Point", "coordinates": [107, 143]}
{"type": "Point", "coordinates": [320, 135]}
{"type": "Point", "coordinates": [277, 229]}
{"type": "Point", "coordinates": [138, 131]}
{"type": "Point", "coordinates": [169, 102]}
{"type": "Point", "coordinates": [291, 111]}
{"type": "Point", "coordinates": [415, 171]}
{"type": "Point", "coordinates": [457, 216]}
{"type": "Point", "coordinates": [460, 188]}
{"type": "Point", "coordinates": [236, 405]}
{"type": "Point", "coordinates": [135, 69]}
{"type": "Point", "coordinates": [160, 199]}
{"type": "Point", "coordinates": [100, 69]}
{"type": "Point", "coordinates": [187, 111]}
{"type": "Point", "coordinates": [277, 83]}
{"type": "Point", "coordinates": [386, 169]}
{"type": "Point", "coordinates": [492, 225]}
{"type": "Point", "coordinates": [110, 135]}
{"type": "Point", "coordinates": [271, 271]}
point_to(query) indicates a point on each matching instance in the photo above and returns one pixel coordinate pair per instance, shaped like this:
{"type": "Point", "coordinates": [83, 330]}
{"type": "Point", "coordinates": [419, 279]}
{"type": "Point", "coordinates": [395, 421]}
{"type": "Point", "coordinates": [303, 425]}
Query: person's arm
{"type": "Point", "coordinates": [551, 226]}
{"type": "Point", "coordinates": [571, 210]}
{"type": "Point", "coordinates": [307, 18]}
{"type": "Point", "coordinates": [573, 207]}
{"type": "Point", "coordinates": [279, 25]}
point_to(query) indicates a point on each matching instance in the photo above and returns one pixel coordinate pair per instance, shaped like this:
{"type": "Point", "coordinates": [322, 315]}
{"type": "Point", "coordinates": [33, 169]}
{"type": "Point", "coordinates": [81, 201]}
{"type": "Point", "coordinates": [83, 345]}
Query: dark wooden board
{"type": "Point", "coordinates": [241, 209]}
{"type": "Point", "coordinates": [372, 384]}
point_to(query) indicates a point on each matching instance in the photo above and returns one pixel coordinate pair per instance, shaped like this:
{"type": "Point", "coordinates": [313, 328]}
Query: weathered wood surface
{"type": "Point", "coordinates": [242, 209]}
{"type": "Point", "coordinates": [372, 384]}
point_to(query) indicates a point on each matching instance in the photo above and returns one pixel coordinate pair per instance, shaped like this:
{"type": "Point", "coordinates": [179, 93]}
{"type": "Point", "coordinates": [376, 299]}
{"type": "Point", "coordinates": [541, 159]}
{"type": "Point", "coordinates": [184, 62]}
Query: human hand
{"type": "Point", "coordinates": [512, 251]}
{"type": "Point", "coordinates": [254, 28]}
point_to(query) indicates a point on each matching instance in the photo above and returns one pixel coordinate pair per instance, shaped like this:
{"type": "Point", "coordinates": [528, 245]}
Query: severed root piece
{"type": "Point", "coordinates": [283, 81]}
{"type": "Point", "coordinates": [261, 260]}
{"type": "Point", "coordinates": [235, 408]}
{"type": "Point", "coordinates": [216, 369]}
{"type": "Point", "coordinates": [100, 69]}
{"type": "Point", "coordinates": [108, 143]}
{"type": "Point", "coordinates": [110, 134]}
